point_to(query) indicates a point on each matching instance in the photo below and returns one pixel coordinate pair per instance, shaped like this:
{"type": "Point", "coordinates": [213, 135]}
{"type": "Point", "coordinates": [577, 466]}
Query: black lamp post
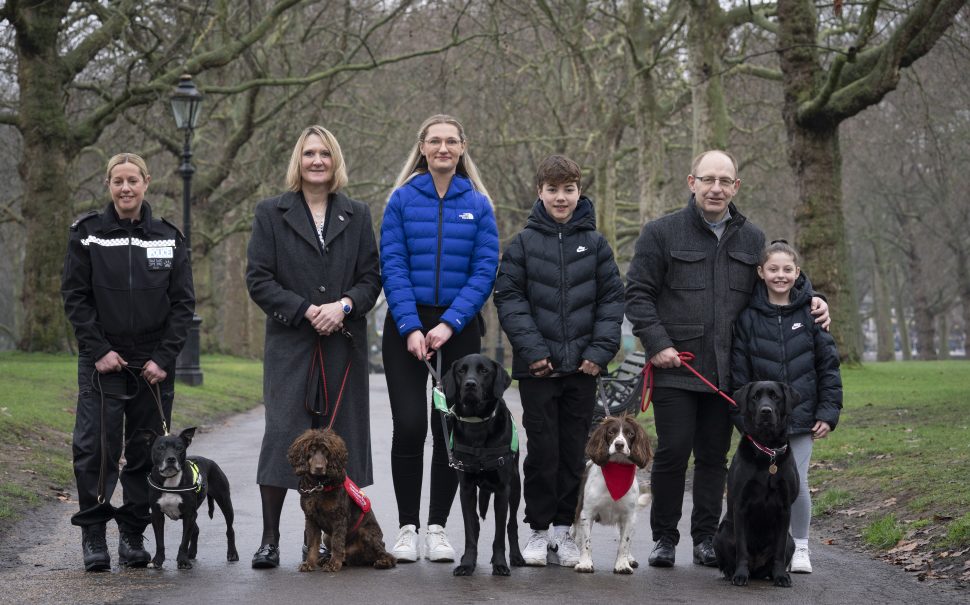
{"type": "Point", "coordinates": [186, 101]}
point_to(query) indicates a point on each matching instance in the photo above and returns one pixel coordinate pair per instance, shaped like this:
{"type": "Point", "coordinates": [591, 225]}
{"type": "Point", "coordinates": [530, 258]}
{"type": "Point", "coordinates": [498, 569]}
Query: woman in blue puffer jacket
{"type": "Point", "coordinates": [439, 255]}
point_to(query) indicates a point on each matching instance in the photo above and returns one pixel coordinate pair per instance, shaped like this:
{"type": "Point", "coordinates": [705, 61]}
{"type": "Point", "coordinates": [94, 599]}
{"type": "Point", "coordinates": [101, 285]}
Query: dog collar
{"type": "Point", "coordinates": [196, 481]}
{"type": "Point", "coordinates": [772, 453]}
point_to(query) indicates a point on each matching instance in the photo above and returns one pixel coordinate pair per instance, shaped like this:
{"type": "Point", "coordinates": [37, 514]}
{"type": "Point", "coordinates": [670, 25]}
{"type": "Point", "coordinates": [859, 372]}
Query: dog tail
{"type": "Point", "coordinates": [483, 495]}
{"type": "Point", "coordinates": [211, 507]}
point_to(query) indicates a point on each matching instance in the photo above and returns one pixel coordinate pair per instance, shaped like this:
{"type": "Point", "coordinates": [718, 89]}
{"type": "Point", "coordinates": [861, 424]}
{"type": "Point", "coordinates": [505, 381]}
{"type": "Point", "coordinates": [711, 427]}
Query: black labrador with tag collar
{"type": "Point", "coordinates": [178, 485]}
{"type": "Point", "coordinates": [485, 456]}
{"type": "Point", "coordinates": [753, 540]}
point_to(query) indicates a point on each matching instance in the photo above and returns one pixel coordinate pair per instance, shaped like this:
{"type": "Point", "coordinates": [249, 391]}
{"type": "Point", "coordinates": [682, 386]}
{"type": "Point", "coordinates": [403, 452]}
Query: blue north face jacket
{"type": "Point", "coordinates": [437, 251]}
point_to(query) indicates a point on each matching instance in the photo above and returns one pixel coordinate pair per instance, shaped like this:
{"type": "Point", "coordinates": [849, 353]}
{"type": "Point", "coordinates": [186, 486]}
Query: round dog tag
{"type": "Point", "coordinates": [773, 468]}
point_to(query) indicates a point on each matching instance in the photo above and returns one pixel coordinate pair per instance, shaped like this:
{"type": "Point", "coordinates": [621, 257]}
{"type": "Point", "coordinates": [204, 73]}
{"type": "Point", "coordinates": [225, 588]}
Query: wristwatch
{"type": "Point", "coordinates": [347, 309]}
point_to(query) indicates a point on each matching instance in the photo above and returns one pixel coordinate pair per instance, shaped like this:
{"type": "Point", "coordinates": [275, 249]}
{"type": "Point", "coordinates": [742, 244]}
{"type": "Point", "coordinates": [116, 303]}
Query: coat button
{"type": "Point", "coordinates": [322, 289]}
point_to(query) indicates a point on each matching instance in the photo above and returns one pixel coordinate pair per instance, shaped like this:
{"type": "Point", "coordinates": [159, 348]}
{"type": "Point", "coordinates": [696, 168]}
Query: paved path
{"type": "Point", "coordinates": [47, 569]}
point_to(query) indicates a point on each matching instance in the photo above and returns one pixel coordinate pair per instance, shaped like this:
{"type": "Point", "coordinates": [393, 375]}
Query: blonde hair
{"type": "Point", "coordinates": [294, 182]}
{"type": "Point", "coordinates": [127, 158]}
{"type": "Point", "coordinates": [418, 164]}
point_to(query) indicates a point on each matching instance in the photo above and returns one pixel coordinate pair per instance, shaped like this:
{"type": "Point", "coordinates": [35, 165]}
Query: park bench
{"type": "Point", "coordinates": [622, 388]}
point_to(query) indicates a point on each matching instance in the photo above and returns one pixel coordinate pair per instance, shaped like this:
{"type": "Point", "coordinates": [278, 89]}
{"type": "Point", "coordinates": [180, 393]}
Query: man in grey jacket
{"type": "Point", "coordinates": [692, 273]}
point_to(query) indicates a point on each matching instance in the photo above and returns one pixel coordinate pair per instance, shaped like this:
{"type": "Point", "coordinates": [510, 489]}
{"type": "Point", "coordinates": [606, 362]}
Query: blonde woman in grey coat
{"type": "Point", "coordinates": [313, 269]}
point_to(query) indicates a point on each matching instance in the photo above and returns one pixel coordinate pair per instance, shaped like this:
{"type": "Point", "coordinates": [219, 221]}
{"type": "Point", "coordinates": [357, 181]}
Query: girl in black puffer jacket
{"type": "Point", "coordinates": [776, 338]}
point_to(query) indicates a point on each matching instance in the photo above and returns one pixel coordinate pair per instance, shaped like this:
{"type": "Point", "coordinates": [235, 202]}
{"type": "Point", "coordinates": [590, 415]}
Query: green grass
{"type": "Point", "coordinates": [38, 394]}
{"type": "Point", "coordinates": [904, 432]}
{"type": "Point", "coordinates": [958, 532]}
{"type": "Point", "coordinates": [829, 500]}
{"type": "Point", "coordinates": [883, 533]}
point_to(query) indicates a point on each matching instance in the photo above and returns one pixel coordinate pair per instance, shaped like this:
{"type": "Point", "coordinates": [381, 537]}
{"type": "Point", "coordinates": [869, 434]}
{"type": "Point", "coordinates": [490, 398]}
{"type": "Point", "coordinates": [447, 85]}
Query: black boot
{"type": "Point", "coordinates": [131, 550]}
{"type": "Point", "coordinates": [95, 548]}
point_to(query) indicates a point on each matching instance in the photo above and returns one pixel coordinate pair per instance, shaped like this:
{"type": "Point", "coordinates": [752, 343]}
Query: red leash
{"type": "Point", "coordinates": [686, 356]}
{"type": "Point", "coordinates": [318, 359]}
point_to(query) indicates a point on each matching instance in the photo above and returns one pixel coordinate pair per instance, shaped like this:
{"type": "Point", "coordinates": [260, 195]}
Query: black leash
{"type": "Point", "coordinates": [156, 395]}
{"type": "Point", "coordinates": [314, 381]}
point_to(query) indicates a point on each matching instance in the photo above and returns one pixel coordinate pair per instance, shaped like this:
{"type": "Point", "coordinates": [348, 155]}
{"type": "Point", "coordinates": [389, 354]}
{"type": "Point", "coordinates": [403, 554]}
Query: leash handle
{"type": "Point", "coordinates": [685, 357]}
{"type": "Point", "coordinates": [602, 394]}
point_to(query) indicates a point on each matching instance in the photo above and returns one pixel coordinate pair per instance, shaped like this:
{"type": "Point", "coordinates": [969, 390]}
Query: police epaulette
{"type": "Point", "coordinates": [82, 218]}
{"type": "Point", "coordinates": [177, 230]}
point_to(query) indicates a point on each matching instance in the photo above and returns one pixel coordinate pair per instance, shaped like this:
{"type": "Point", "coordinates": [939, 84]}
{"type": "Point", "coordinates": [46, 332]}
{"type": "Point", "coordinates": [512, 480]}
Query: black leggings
{"type": "Point", "coordinates": [407, 379]}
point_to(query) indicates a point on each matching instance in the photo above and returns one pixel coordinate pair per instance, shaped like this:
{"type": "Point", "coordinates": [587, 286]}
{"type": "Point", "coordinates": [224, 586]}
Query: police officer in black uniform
{"type": "Point", "coordinates": [127, 289]}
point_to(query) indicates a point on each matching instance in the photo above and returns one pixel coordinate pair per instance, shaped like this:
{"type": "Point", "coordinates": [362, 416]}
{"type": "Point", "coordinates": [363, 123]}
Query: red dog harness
{"type": "Point", "coordinates": [619, 478]}
{"type": "Point", "coordinates": [355, 493]}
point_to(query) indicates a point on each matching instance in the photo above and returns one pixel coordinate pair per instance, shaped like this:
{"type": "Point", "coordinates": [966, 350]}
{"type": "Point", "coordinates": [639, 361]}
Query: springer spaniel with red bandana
{"type": "Point", "coordinates": [610, 493]}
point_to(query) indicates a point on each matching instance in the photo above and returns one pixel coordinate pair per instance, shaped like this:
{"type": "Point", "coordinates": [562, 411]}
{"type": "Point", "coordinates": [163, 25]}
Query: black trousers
{"type": "Point", "coordinates": [556, 415]}
{"type": "Point", "coordinates": [121, 419]}
{"type": "Point", "coordinates": [407, 380]}
{"type": "Point", "coordinates": [689, 421]}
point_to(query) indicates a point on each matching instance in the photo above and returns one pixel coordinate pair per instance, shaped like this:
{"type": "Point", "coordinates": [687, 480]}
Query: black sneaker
{"type": "Point", "coordinates": [267, 557]}
{"type": "Point", "coordinates": [704, 553]}
{"type": "Point", "coordinates": [95, 548]}
{"type": "Point", "coordinates": [131, 550]}
{"type": "Point", "coordinates": [663, 554]}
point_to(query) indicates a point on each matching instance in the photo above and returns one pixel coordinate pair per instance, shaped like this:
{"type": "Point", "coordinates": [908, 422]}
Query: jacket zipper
{"type": "Point", "coordinates": [562, 297]}
{"type": "Point", "coordinates": [437, 262]}
{"type": "Point", "coordinates": [131, 323]}
{"type": "Point", "coordinates": [784, 351]}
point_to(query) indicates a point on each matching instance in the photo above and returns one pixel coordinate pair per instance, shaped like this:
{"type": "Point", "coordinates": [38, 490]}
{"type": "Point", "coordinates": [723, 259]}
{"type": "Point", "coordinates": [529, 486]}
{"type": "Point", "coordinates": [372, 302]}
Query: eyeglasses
{"type": "Point", "coordinates": [708, 181]}
{"type": "Point", "coordinates": [437, 142]}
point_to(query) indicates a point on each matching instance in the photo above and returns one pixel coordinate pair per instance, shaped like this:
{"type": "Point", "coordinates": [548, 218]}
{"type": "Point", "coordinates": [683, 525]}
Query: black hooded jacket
{"type": "Point", "coordinates": [783, 343]}
{"type": "Point", "coordinates": [559, 293]}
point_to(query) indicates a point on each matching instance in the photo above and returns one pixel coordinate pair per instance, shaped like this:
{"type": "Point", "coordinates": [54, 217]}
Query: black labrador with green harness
{"type": "Point", "coordinates": [484, 450]}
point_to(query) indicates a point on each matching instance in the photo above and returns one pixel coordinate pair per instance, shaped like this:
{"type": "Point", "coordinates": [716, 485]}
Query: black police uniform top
{"type": "Point", "coordinates": [128, 284]}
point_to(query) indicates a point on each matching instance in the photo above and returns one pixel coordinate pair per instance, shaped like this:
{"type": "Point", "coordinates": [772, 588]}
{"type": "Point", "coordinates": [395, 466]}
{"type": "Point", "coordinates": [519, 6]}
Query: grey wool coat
{"type": "Point", "coordinates": [285, 272]}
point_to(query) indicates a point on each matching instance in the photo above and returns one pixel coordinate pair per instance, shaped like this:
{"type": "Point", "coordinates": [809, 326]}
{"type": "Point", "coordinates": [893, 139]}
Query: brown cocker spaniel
{"type": "Point", "coordinates": [333, 504]}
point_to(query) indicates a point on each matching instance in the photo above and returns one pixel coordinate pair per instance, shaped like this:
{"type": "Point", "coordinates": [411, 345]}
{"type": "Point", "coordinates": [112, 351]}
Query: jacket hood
{"type": "Point", "coordinates": [425, 184]}
{"type": "Point", "coordinates": [800, 296]}
{"type": "Point", "coordinates": [583, 219]}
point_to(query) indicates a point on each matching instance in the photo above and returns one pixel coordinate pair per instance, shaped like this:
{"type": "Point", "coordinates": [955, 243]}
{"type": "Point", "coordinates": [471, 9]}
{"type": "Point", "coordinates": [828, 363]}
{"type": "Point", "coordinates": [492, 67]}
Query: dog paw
{"type": "Point", "coordinates": [385, 561]}
{"type": "Point", "coordinates": [516, 559]}
{"type": "Point", "coordinates": [155, 565]}
{"type": "Point", "coordinates": [501, 570]}
{"type": "Point", "coordinates": [185, 564]}
{"type": "Point", "coordinates": [584, 567]}
{"type": "Point", "coordinates": [740, 579]}
{"type": "Point", "coordinates": [332, 566]}
{"type": "Point", "coordinates": [623, 569]}
{"type": "Point", "coordinates": [306, 567]}
{"type": "Point", "coordinates": [232, 555]}
{"type": "Point", "coordinates": [783, 580]}
{"type": "Point", "coordinates": [634, 563]}
{"type": "Point", "coordinates": [464, 570]}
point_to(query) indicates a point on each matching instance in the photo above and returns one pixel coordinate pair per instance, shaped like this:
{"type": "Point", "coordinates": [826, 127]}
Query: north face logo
{"type": "Point", "coordinates": [466, 216]}
{"type": "Point", "coordinates": [796, 325]}
{"type": "Point", "coordinates": [581, 249]}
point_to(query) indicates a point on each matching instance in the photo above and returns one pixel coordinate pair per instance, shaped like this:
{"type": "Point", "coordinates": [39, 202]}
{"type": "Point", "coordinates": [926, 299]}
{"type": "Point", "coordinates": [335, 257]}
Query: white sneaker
{"type": "Point", "coordinates": [536, 548]}
{"type": "Point", "coordinates": [799, 561]}
{"type": "Point", "coordinates": [565, 547]}
{"type": "Point", "coordinates": [438, 546]}
{"type": "Point", "coordinates": [406, 548]}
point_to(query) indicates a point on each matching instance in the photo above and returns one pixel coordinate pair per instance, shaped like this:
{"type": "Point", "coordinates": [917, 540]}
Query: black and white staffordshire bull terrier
{"type": "Point", "coordinates": [178, 485]}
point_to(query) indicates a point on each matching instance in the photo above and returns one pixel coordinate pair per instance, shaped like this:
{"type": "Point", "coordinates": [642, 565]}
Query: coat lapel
{"type": "Point", "coordinates": [295, 216]}
{"type": "Point", "coordinates": [339, 216]}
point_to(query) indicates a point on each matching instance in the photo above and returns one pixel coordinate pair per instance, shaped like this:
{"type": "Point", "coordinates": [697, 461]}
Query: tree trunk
{"type": "Point", "coordinates": [47, 152]}
{"type": "Point", "coordinates": [902, 322]}
{"type": "Point", "coordinates": [815, 160]}
{"type": "Point", "coordinates": [922, 315]}
{"type": "Point", "coordinates": [943, 329]}
{"type": "Point", "coordinates": [885, 346]}
{"type": "Point", "coordinates": [963, 279]}
{"type": "Point", "coordinates": [706, 38]}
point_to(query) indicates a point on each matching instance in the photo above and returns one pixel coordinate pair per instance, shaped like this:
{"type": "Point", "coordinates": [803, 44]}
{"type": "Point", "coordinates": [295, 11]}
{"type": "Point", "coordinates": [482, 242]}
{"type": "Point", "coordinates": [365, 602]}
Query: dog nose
{"type": "Point", "coordinates": [766, 411]}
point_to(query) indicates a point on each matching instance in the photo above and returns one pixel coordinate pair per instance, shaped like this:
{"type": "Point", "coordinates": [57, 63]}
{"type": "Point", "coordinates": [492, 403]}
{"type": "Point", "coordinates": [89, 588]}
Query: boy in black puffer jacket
{"type": "Point", "coordinates": [776, 338]}
{"type": "Point", "coordinates": [560, 301]}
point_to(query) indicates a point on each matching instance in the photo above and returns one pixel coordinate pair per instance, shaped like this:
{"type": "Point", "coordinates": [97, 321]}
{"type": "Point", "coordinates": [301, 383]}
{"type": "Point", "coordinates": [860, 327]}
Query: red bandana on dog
{"type": "Point", "coordinates": [619, 478]}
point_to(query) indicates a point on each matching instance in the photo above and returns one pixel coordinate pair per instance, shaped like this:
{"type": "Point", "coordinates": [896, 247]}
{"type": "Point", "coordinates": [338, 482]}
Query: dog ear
{"type": "Point", "coordinates": [296, 455]}
{"type": "Point", "coordinates": [597, 449]}
{"type": "Point", "coordinates": [188, 435]}
{"type": "Point", "coordinates": [502, 380]}
{"type": "Point", "coordinates": [142, 437]}
{"type": "Point", "coordinates": [336, 453]}
{"type": "Point", "coordinates": [640, 453]}
{"type": "Point", "coordinates": [741, 398]}
{"type": "Point", "coordinates": [792, 398]}
{"type": "Point", "coordinates": [449, 382]}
